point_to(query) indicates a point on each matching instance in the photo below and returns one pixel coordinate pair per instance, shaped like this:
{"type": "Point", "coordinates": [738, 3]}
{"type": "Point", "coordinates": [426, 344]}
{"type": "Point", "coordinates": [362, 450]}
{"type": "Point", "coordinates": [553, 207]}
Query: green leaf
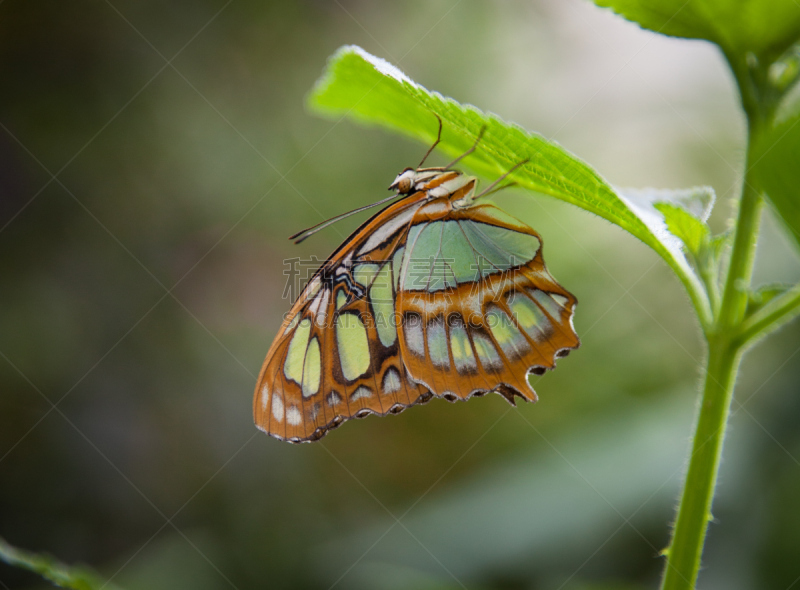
{"type": "Point", "coordinates": [682, 214]}
{"type": "Point", "coordinates": [776, 169]}
{"type": "Point", "coordinates": [764, 27]}
{"type": "Point", "coordinates": [764, 294]}
{"type": "Point", "coordinates": [369, 89]}
{"type": "Point", "coordinates": [64, 576]}
{"type": "Point", "coordinates": [685, 213]}
{"type": "Point", "coordinates": [690, 230]}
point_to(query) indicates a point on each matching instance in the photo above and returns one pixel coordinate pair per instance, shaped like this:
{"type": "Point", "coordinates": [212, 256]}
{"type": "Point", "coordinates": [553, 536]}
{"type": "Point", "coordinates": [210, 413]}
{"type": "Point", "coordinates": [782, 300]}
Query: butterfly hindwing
{"type": "Point", "coordinates": [479, 308]}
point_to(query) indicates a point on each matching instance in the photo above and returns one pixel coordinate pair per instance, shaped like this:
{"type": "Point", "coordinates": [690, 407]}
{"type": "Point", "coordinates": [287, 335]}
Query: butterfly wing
{"type": "Point", "coordinates": [426, 298]}
{"type": "Point", "coordinates": [479, 310]}
{"type": "Point", "coordinates": [337, 353]}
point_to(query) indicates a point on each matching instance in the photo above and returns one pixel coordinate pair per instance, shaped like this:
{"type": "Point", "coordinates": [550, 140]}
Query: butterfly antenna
{"type": "Point", "coordinates": [310, 231]}
{"type": "Point", "coordinates": [492, 188]}
{"type": "Point", "coordinates": [469, 151]}
{"type": "Point", "coordinates": [435, 143]}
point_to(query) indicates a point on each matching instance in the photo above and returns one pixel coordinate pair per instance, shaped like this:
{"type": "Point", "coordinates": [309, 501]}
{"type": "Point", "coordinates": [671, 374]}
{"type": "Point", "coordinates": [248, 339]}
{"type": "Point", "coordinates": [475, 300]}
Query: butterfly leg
{"type": "Point", "coordinates": [492, 188]}
{"type": "Point", "coordinates": [435, 143]}
{"type": "Point", "coordinates": [469, 151]}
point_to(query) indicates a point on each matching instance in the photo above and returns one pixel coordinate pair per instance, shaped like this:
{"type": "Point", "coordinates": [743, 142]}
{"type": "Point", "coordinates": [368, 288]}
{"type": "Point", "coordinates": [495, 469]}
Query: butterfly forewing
{"type": "Point", "coordinates": [337, 354]}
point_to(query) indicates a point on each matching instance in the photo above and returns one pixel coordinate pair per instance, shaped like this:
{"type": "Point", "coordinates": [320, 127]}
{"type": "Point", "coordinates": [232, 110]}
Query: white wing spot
{"type": "Point", "coordinates": [264, 398]}
{"type": "Point", "coordinates": [391, 381]}
{"type": "Point", "coordinates": [293, 416]}
{"type": "Point", "coordinates": [361, 392]}
{"type": "Point", "coordinates": [277, 408]}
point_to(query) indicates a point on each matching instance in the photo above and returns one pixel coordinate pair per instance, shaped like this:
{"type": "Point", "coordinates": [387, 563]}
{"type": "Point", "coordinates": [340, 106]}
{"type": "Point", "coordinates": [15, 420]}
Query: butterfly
{"type": "Point", "coordinates": [436, 295]}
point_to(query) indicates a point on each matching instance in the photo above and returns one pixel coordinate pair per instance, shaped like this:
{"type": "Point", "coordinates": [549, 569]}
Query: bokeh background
{"type": "Point", "coordinates": [153, 159]}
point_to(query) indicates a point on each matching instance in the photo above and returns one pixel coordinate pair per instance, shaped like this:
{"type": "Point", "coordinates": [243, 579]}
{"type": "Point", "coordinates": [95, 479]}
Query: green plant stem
{"type": "Point", "coordinates": [694, 514]}
{"type": "Point", "coordinates": [724, 355]}
{"type": "Point", "coordinates": [737, 284]}
{"type": "Point", "coordinates": [770, 317]}
{"type": "Point", "coordinates": [708, 274]}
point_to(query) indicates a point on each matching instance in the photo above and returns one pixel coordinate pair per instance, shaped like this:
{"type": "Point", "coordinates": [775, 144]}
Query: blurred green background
{"type": "Point", "coordinates": [153, 159]}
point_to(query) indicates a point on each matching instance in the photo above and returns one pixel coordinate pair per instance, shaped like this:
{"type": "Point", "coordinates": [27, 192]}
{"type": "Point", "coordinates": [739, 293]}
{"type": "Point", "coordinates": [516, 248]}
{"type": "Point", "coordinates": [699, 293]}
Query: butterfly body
{"type": "Point", "coordinates": [435, 295]}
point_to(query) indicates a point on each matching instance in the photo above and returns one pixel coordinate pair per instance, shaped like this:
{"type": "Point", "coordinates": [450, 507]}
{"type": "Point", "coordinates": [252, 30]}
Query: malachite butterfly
{"type": "Point", "coordinates": [436, 295]}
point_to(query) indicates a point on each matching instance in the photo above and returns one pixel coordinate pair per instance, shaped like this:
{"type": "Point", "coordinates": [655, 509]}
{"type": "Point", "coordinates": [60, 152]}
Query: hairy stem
{"type": "Point", "coordinates": [773, 315]}
{"type": "Point", "coordinates": [694, 514]}
{"type": "Point", "coordinates": [737, 284]}
{"type": "Point", "coordinates": [724, 355]}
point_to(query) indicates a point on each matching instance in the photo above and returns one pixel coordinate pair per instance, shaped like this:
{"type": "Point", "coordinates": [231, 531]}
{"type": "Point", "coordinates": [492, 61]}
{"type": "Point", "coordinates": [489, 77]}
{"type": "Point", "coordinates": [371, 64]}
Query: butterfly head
{"type": "Point", "coordinates": [411, 179]}
{"type": "Point", "coordinates": [405, 181]}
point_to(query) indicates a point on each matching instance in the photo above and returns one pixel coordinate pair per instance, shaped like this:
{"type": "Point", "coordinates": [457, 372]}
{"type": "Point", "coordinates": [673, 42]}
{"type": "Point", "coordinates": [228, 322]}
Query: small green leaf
{"type": "Point", "coordinates": [776, 169]}
{"type": "Point", "coordinates": [679, 216]}
{"type": "Point", "coordinates": [64, 576]}
{"type": "Point", "coordinates": [765, 28]}
{"type": "Point", "coordinates": [685, 213]}
{"type": "Point", "coordinates": [685, 226]}
{"type": "Point", "coordinates": [369, 89]}
{"type": "Point", "coordinates": [763, 295]}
